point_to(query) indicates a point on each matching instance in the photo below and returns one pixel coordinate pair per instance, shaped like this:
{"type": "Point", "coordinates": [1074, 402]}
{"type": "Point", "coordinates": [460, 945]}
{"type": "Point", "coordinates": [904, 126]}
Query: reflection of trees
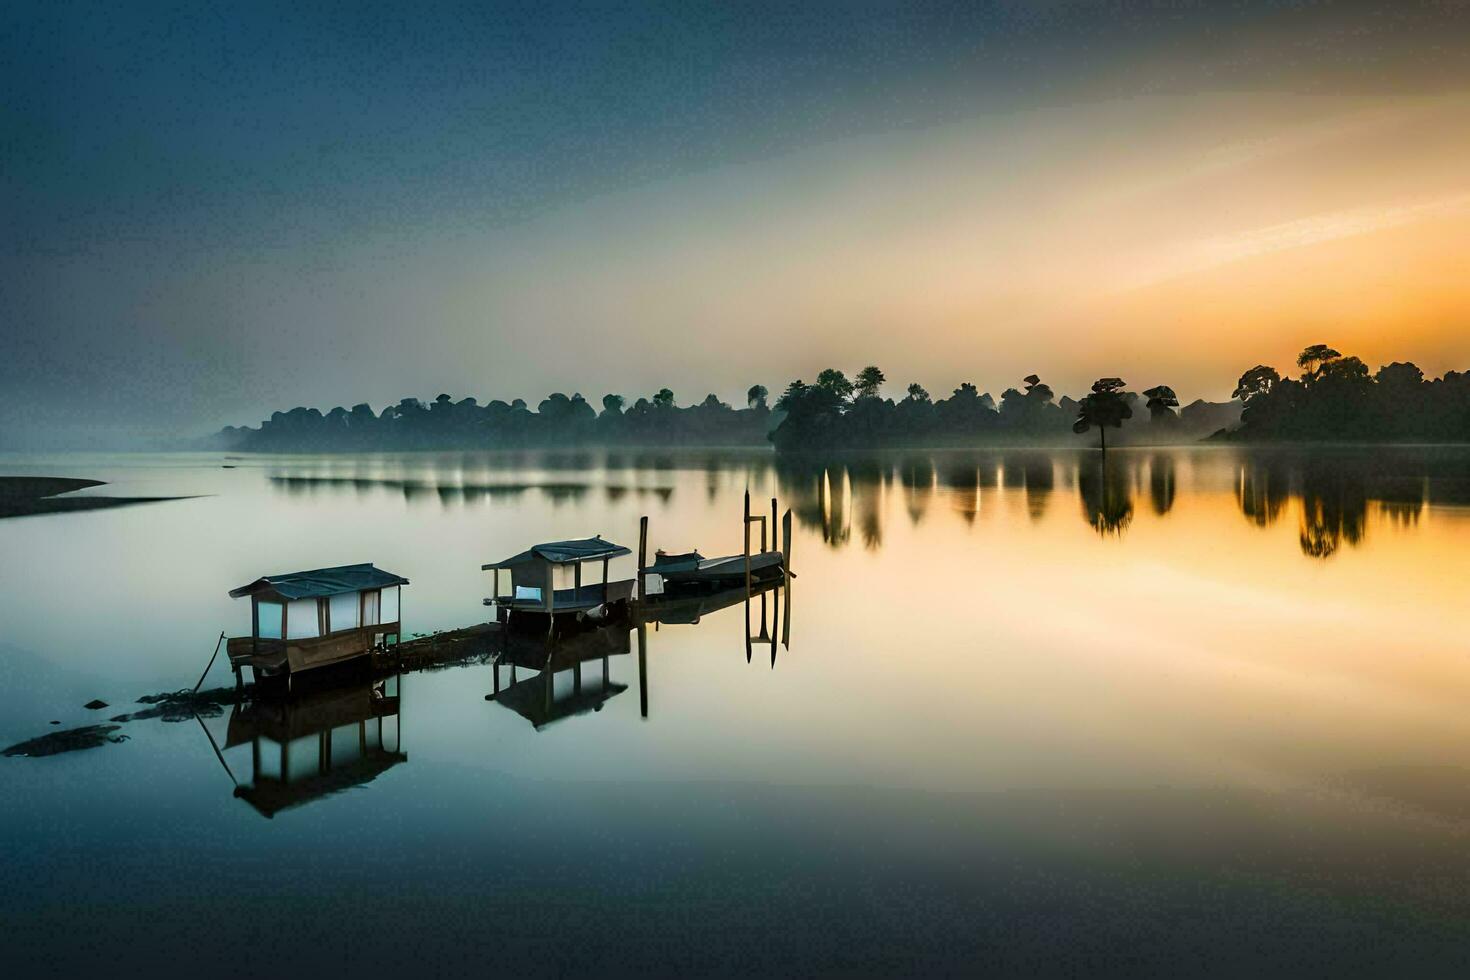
{"type": "Point", "coordinates": [866, 478]}
{"type": "Point", "coordinates": [1400, 499]}
{"type": "Point", "coordinates": [1107, 496]}
{"type": "Point", "coordinates": [817, 499]}
{"type": "Point", "coordinates": [916, 473]}
{"type": "Point", "coordinates": [963, 481]}
{"type": "Point", "coordinates": [1334, 510]}
{"type": "Point", "coordinates": [1262, 490]}
{"type": "Point", "coordinates": [1031, 473]}
{"type": "Point", "coordinates": [1040, 481]}
{"type": "Point", "coordinates": [1161, 486]}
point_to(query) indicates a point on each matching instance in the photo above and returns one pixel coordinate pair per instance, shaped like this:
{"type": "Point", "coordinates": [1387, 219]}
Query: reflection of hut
{"type": "Point", "coordinates": [303, 620]}
{"type": "Point", "coordinates": [558, 690]}
{"type": "Point", "coordinates": [547, 578]}
{"type": "Point", "coordinates": [302, 749]}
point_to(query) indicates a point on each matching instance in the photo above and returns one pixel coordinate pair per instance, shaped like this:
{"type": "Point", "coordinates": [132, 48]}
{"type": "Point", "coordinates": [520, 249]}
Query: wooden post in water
{"type": "Point", "coordinates": [642, 557]}
{"type": "Point", "coordinates": [746, 522]}
{"type": "Point", "coordinates": [775, 530]}
{"type": "Point", "coordinates": [786, 541]}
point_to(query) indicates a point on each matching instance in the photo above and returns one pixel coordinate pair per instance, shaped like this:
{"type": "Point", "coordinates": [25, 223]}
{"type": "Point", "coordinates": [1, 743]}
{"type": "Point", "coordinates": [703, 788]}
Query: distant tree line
{"type": "Point", "coordinates": [836, 412]}
{"type": "Point", "coordinates": [832, 413]}
{"type": "Point", "coordinates": [558, 420]}
{"type": "Point", "coordinates": [1336, 398]}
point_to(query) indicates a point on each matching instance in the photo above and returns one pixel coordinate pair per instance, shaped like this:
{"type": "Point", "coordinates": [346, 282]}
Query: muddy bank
{"type": "Point", "coordinates": [25, 496]}
{"type": "Point", "coordinates": [436, 651]}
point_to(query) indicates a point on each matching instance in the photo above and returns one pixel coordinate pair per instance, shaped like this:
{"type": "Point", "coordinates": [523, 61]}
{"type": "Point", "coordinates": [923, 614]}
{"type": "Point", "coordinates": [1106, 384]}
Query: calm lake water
{"type": "Point", "coordinates": [1200, 711]}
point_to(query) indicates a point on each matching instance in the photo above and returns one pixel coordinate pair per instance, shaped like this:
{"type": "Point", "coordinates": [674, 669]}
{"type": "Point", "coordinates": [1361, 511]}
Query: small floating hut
{"type": "Point", "coordinates": [547, 579]}
{"type": "Point", "coordinates": [304, 620]}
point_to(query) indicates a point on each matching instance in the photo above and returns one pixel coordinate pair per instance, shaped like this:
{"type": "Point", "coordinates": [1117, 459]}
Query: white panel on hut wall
{"type": "Point", "coordinates": [342, 612]}
{"type": "Point", "coordinates": [563, 576]}
{"type": "Point", "coordinates": [388, 611]}
{"type": "Point", "coordinates": [301, 621]}
{"type": "Point", "coordinates": [268, 617]}
{"type": "Point", "coordinates": [370, 609]}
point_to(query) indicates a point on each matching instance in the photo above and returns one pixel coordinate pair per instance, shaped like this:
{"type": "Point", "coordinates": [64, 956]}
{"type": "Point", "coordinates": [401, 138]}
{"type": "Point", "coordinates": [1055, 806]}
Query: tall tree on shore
{"type": "Point", "coordinates": [1259, 380]}
{"type": "Point", "coordinates": [1104, 408]}
{"type": "Point", "coordinates": [835, 383]}
{"type": "Point", "coordinates": [755, 397]}
{"type": "Point", "coordinates": [869, 380]}
{"type": "Point", "coordinates": [1314, 359]}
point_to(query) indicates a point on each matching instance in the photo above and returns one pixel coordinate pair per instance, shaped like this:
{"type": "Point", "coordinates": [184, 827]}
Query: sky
{"type": "Point", "coordinates": [214, 211]}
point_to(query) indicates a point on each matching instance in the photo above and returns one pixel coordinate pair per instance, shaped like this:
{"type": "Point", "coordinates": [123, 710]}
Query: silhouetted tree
{"type": "Point", "coordinates": [1312, 360]}
{"type": "Point", "coordinates": [1259, 380]}
{"type": "Point", "coordinates": [869, 381]}
{"type": "Point", "coordinates": [756, 396]}
{"type": "Point", "coordinates": [836, 383]}
{"type": "Point", "coordinates": [1105, 407]}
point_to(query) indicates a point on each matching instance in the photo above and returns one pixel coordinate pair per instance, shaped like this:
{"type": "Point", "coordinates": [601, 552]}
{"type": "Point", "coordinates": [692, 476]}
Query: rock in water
{"type": "Point", "coordinates": [95, 704]}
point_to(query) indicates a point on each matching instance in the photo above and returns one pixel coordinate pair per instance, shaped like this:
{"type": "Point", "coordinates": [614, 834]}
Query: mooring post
{"type": "Point", "coordinates": [642, 556]}
{"type": "Point", "coordinates": [775, 531]}
{"type": "Point", "coordinates": [747, 544]}
{"type": "Point", "coordinates": [786, 541]}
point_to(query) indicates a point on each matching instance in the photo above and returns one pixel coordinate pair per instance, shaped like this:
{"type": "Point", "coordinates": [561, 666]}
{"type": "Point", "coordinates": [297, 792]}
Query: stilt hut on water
{"type": "Point", "coordinates": [304, 620]}
{"type": "Point", "coordinates": [547, 579]}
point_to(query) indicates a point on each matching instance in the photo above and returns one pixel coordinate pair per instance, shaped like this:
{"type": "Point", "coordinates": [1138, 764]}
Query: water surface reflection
{"type": "Point", "coordinates": [1205, 708]}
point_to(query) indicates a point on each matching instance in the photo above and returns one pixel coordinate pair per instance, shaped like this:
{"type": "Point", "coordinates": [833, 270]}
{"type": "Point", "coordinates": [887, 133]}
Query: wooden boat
{"type": "Point", "coordinates": [302, 621]}
{"type": "Point", "coordinates": [692, 571]}
{"type": "Point", "coordinates": [546, 580]}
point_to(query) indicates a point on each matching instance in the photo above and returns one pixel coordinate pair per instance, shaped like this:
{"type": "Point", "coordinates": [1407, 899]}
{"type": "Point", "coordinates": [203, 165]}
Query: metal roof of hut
{"type": "Point", "coordinates": [565, 552]}
{"type": "Point", "coordinates": [321, 582]}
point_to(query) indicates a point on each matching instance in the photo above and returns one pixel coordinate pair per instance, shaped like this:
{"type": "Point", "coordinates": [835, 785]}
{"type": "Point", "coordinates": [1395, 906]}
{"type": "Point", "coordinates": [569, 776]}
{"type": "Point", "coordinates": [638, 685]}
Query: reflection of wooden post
{"type": "Point", "coordinates": [746, 522]}
{"type": "Point", "coordinates": [643, 668]}
{"type": "Point", "coordinates": [775, 621]}
{"type": "Point", "coordinates": [642, 556]}
{"type": "Point", "coordinates": [786, 616]}
{"type": "Point", "coordinates": [747, 626]}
